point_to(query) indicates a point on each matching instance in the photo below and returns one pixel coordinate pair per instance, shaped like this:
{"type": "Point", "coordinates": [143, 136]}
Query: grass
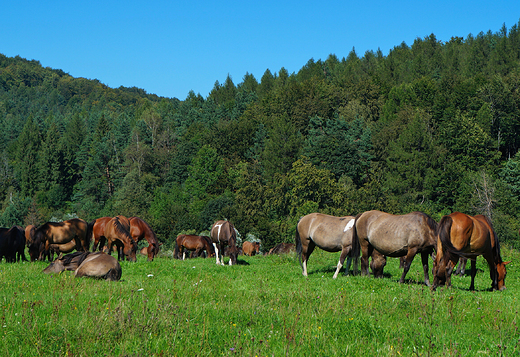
{"type": "Point", "coordinates": [261, 307]}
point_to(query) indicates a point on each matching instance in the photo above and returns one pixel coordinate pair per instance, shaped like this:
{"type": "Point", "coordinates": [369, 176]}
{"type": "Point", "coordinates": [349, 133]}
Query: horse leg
{"type": "Point", "coordinates": [449, 270]}
{"type": "Point", "coordinates": [306, 253]}
{"type": "Point", "coordinates": [344, 253]}
{"type": "Point", "coordinates": [366, 252]}
{"type": "Point", "coordinates": [407, 262]}
{"type": "Point", "coordinates": [493, 274]}
{"type": "Point", "coordinates": [216, 253]}
{"type": "Point", "coordinates": [473, 273]}
{"type": "Point", "coordinates": [424, 261]}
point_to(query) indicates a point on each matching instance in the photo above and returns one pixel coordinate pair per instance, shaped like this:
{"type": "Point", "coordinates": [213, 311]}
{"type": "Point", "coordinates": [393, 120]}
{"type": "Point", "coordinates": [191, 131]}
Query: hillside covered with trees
{"type": "Point", "coordinates": [432, 127]}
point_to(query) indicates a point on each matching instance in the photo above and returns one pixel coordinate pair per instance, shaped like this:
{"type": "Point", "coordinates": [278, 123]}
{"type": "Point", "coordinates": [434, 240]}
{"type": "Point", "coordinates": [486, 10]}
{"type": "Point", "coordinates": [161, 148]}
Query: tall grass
{"type": "Point", "coordinates": [261, 307]}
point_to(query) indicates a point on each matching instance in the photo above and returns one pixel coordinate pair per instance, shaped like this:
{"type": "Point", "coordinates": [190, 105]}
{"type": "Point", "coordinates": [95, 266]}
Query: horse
{"type": "Point", "coordinates": [380, 234]}
{"type": "Point", "coordinates": [96, 232]}
{"type": "Point", "coordinates": [62, 248]}
{"type": "Point", "coordinates": [59, 233]}
{"type": "Point", "coordinates": [193, 243]}
{"type": "Point", "coordinates": [117, 232]}
{"type": "Point", "coordinates": [461, 235]}
{"type": "Point", "coordinates": [223, 233]}
{"type": "Point", "coordinates": [97, 265]}
{"type": "Point", "coordinates": [12, 244]}
{"type": "Point", "coordinates": [29, 234]}
{"type": "Point", "coordinates": [139, 230]}
{"type": "Point", "coordinates": [282, 248]}
{"type": "Point", "coordinates": [329, 233]}
{"type": "Point", "coordinates": [251, 248]}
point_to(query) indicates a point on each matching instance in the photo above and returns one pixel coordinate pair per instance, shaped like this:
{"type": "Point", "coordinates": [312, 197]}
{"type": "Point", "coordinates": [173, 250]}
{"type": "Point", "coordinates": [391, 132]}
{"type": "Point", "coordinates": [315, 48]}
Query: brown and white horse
{"type": "Point", "coordinates": [223, 234]}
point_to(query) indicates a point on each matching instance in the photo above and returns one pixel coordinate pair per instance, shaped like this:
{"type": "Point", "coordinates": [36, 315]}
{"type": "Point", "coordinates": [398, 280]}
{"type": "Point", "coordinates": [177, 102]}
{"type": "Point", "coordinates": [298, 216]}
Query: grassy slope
{"type": "Point", "coordinates": [264, 306]}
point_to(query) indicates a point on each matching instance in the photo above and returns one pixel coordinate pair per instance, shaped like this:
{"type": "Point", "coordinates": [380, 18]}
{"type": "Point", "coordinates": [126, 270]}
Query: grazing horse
{"type": "Point", "coordinates": [330, 233]}
{"type": "Point", "coordinates": [96, 265]}
{"type": "Point", "coordinates": [117, 233]}
{"type": "Point", "coordinates": [96, 232]}
{"type": "Point", "coordinates": [139, 230]}
{"type": "Point", "coordinates": [460, 235]}
{"type": "Point", "coordinates": [223, 233]}
{"type": "Point", "coordinates": [381, 234]}
{"type": "Point", "coordinates": [282, 248]}
{"type": "Point", "coordinates": [193, 243]}
{"type": "Point", "coordinates": [59, 233]}
{"type": "Point", "coordinates": [251, 248]}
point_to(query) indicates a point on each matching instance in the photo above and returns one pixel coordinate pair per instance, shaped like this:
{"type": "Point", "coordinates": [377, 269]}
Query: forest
{"type": "Point", "coordinates": [432, 126]}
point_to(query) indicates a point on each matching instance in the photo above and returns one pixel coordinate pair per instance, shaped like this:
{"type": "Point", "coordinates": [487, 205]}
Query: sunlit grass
{"type": "Point", "coordinates": [263, 306]}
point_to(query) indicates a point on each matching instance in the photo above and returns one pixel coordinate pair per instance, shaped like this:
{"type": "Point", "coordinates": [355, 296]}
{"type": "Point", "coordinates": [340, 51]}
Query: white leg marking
{"type": "Point", "coordinates": [304, 268]}
{"type": "Point", "coordinates": [337, 270]}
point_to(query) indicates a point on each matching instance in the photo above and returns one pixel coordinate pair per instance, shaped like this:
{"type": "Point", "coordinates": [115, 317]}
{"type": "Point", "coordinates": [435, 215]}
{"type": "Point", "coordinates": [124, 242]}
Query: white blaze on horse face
{"type": "Point", "coordinates": [349, 225]}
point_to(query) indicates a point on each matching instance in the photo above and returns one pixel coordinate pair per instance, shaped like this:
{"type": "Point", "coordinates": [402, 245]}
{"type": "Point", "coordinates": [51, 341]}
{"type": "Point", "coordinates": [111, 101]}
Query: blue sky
{"type": "Point", "coordinates": [170, 47]}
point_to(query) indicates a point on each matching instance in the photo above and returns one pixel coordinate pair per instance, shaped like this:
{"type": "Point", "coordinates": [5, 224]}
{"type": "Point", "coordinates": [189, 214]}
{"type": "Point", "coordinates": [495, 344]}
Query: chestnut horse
{"type": "Point", "coordinates": [117, 232]}
{"type": "Point", "coordinates": [193, 243]}
{"type": "Point", "coordinates": [139, 230]}
{"type": "Point", "coordinates": [96, 265]}
{"type": "Point", "coordinates": [96, 232]}
{"type": "Point", "coordinates": [223, 233]}
{"type": "Point", "coordinates": [251, 248]}
{"type": "Point", "coordinates": [59, 233]}
{"type": "Point", "coordinates": [330, 233]}
{"type": "Point", "coordinates": [29, 234]}
{"type": "Point", "coordinates": [381, 234]}
{"type": "Point", "coordinates": [460, 235]}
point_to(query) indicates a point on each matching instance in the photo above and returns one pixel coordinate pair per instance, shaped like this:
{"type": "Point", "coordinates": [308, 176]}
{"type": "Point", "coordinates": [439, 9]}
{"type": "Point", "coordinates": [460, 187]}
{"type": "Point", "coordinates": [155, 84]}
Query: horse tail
{"type": "Point", "coordinates": [90, 231]}
{"type": "Point", "coordinates": [356, 247]}
{"type": "Point", "coordinates": [176, 252]}
{"type": "Point", "coordinates": [298, 242]}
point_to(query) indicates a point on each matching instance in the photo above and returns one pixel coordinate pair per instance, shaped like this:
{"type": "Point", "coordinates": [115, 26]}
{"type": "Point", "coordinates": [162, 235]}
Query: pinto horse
{"type": "Point", "coordinates": [96, 232]}
{"type": "Point", "coordinates": [59, 233]}
{"type": "Point", "coordinates": [117, 233]}
{"type": "Point", "coordinates": [223, 233]}
{"type": "Point", "coordinates": [381, 234]}
{"type": "Point", "coordinates": [329, 233]}
{"type": "Point", "coordinates": [251, 248]}
{"type": "Point", "coordinates": [460, 235]}
{"type": "Point", "coordinates": [193, 243]}
{"type": "Point", "coordinates": [97, 265]}
{"type": "Point", "coordinates": [139, 230]}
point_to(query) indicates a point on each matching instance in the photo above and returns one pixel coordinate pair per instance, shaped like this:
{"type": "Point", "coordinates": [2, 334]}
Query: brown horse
{"type": "Point", "coordinates": [139, 230]}
{"type": "Point", "coordinates": [12, 244]}
{"type": "Point", "coordinates": [97, 265]}
{"type": "Point", "coordinates": [223, 233]}
{"type": "Point", "coordinates": [96, 232]}
{"type": "Point", "coordinates": [193, 243]}
{"type": "Point", "coordinates": [251, 248]}
{"type": "Point", "coordinates": [59, 233]}
{"type": "Point", "coordinates": [62, 248]}
{"type": "Point", "coordinates": [282, 248]}
{"type": "Point", "coordinates": [381, 234]}
{"type": "Point", "coordinates": [330, 233]}
{"type": "Point", "coordinates": [29, 234]}
{"type": "Point", "coordinates": [117, 232]}
{"type": "Point", "coordinates": [460, 235]}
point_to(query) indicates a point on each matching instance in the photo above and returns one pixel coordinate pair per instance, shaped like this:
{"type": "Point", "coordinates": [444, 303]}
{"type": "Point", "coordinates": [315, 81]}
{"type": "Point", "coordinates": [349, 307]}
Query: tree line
{"type": "Point", "coordinates": [432, 127]}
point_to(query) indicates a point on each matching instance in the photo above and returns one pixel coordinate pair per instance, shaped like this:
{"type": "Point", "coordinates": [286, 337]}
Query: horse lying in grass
{"type": "Point", "coordinates": [95, 265]}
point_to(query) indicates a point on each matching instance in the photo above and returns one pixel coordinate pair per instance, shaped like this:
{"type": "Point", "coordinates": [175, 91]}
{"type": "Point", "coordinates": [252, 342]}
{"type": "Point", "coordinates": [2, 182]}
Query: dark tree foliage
{"type": "Point", "coordinates": [432, 126]}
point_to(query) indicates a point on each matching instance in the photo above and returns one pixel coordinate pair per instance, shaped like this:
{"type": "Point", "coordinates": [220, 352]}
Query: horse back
{"type": "Point", "coordinates": [330, 233]}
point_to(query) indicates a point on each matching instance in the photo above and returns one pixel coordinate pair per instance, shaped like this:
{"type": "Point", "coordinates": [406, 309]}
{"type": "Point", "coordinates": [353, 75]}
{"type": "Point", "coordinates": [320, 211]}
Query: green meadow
{"type": "Point", "coordinates": [261, 307]}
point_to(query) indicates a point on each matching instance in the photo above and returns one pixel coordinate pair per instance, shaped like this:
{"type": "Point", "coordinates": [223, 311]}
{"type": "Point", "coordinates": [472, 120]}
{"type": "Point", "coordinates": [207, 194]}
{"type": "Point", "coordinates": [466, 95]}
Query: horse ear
{"type": "Point", "coordinates": [505, 263]}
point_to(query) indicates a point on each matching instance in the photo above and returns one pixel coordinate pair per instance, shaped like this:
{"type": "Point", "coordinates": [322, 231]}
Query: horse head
{"type": "Point", "coordinates": [501, 270]}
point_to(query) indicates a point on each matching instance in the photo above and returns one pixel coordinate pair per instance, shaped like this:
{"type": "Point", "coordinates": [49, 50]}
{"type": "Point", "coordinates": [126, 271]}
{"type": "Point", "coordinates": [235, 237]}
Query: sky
{"type": "Point", "coordinates": [170, 48]}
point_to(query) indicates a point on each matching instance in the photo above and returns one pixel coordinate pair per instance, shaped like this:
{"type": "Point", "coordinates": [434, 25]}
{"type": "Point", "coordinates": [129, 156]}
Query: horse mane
{"type": "Point", "coordinates": [496, 248]}
{"type": "Point", "coordinates": [429, 221]}
{"type": "Point", "coordinates": [69, 257]}
{"type": "Point", "coordinates": [120, 229]}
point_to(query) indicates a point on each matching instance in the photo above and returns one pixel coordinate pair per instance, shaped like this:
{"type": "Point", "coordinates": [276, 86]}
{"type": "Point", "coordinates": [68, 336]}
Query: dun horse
{"type": "Point", "coordinates": [330, 233]}
{"type": "Point", "coordinates": [282, 248]}
{"type": "Point", "coordinates": [381, 234]}
{"type": "Point", "coordinates": [117, 232]}
{"type": "Point", "coordinates": [139, 230]}
{"type": "Point", "coordinates": [96, 265]}
{"type": "Point", "coordinates": [460, 235]}
{"type": "Point", "coordinates": [193, 243]}
{"type": "Point", "coordinates": [251, 248]}
{"type": "Point", "coordinates": [59, 233]}
{"type": "Point", "coordinates": [222, 234]}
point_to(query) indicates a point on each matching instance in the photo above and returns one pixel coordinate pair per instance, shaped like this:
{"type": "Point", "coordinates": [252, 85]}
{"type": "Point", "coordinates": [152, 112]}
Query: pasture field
{"type": "Point", "coordinates": [261, 307]}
